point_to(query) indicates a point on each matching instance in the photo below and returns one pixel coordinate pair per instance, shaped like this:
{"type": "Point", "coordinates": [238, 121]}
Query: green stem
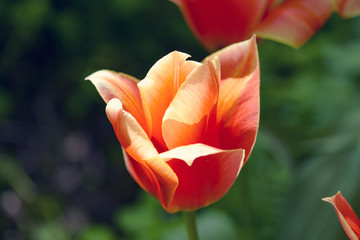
{"type": "Point", "coordinates": [190, 222]}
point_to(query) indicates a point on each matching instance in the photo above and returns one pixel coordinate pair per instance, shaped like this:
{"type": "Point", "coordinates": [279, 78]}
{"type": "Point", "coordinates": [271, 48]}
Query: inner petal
{"type": "Point", "coordinates": [159, 86]}
{"type": "Point", "coordinates": [186, 119]}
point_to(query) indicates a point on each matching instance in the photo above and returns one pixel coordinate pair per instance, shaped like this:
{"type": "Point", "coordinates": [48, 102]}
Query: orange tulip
{"type": "Point", "coordinates": [220, 23]}
{"type": "Point", "coordinates": [348, 219]}
{"type": "Point", "coordinates": [187, 128]}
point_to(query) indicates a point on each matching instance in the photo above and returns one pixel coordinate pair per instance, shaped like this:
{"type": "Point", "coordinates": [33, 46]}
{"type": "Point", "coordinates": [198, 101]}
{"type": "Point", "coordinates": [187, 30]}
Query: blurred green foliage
{"type": "Point", "coordinates": [61, 171]}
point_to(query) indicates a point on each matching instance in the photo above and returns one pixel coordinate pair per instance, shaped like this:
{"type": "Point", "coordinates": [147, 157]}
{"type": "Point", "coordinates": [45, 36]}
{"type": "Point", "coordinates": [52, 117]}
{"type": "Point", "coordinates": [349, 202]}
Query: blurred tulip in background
{"type": "Point", "coordinates": [292, 22]}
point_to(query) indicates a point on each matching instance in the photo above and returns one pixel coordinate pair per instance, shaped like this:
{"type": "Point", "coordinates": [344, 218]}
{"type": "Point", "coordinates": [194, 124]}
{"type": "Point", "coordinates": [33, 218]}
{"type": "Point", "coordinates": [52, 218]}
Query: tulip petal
{"type": "Point", "coordinates": [189, 153]}
{"type": "Point", "coordinates": [111, 85]}
{"type": "Point", "coordinates": [205, 173]}
{"type": "Point", "coordinates": [142, 159]}
{"type": "Point", "coordinates": [220, 23]}
{"type": "Point", "coordinates": [348, 8]}
{"type": "Point", "coordinates": [159, 87]}
{"type": "Point", "coordinates": [294, 21]}
{"type": "Point", "coordinates": [186, 119]}
{"type": "Point", "coordinates": [238, 60]}
{"type": "Point", "coordinates": [348, 219]}
{"type": "Point", "coordinates": [238, 106]}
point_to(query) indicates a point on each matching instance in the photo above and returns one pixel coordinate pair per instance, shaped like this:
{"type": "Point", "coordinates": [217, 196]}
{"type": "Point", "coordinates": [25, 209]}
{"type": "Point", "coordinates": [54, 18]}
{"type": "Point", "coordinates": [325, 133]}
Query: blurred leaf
{"type": "Point", "coordinates": [146, 215]}
{"type": "Point", "coordinates": [97, 232]}
{"type": "Point", "coordinates": [343, 61]}
{"type": "Point", "coordinates": [155, 223]}
{"type": "Point", "coordinates": [258, 198]}
{"type": "Point", "coordinates": [51, 230]}
{"type": "Point", "coordinates": [12, 173]}
{"type": "Point", "coordinates": [211, 224]}
{"type": "Point", "coordinates": [29, 16]}
{"type": "Point", "coordinates": [5, 105]}
{"type": "Point", "coordinates": [334, 166]}
{"type": "Point", "coordinates": [48, 207]}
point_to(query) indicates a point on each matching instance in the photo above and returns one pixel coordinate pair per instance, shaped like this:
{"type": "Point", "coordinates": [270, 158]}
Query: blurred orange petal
{"type": "Point", "coordinates": [348, 8]}
{"type": "Point", "coordinates": [187, 117]}
{"type": "Point", "coordinates": [159, 87]}
{"type": "Point", "coordinates": [220, 23]}
{"type": "Point", "coordinates": [111, 85]}
{"type": "Point", "coordinates": [143, 161]}
{"type": "Point", "coordinates": [205, 173]}
{"type": "Point", "coordinates": [238, 106]}
{"type": "Point", "coordinates": [294, 21]}
{"type": "Point", "coordinates": [348, 219]}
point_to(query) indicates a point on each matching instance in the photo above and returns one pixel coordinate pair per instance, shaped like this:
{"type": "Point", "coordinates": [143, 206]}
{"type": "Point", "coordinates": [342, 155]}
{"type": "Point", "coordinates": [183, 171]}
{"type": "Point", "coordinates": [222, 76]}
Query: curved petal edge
{"type": "Point", "coordinates": [348, 219]}
{"type": "Point", "coordinates": [143, 161]}
{"type": "Point", "coordinates": [205, 173]}
{"type": "Point", "coordinates": [295, 21]}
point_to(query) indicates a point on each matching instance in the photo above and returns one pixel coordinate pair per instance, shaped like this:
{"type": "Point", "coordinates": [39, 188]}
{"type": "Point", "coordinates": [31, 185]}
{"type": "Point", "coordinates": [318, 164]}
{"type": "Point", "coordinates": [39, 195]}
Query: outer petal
{"type": "Point", "coordinates": [294, 21]}
{"type": "Point", "coordinates": [348, 8]}
{"type": "Point", "coordinates": [111, 85]}
{"type": "Point", "coordinates": [144, 164]}
{"type": "Point", "coordinates": [159, 87]}
{"type": "Point", "coordinates": [237, 60]}
{"type": "Point", "coordinates": [348, 219]}
{"type": "Point", "coordinates": [220, 23]}
{"type": "Point", "coordinates": [186, 119]}
{"type": "Point", "coordinates": [238, 106]}
{"type": "Point", "coordinates": [205, 174]}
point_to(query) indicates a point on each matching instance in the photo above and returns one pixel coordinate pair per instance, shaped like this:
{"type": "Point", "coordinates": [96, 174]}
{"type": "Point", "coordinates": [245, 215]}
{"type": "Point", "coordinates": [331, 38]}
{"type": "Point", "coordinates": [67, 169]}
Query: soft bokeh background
{"type": "Point", "coordinates": [61, 171]}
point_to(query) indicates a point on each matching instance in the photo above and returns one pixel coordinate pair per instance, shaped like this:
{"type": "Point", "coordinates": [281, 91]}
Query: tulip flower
{"type": "Point", "coordinates": [348, 219]}
{"type": "Point", "coordinates": [188, 127]}
{"type": "Point", "coordinates": [219, 23]}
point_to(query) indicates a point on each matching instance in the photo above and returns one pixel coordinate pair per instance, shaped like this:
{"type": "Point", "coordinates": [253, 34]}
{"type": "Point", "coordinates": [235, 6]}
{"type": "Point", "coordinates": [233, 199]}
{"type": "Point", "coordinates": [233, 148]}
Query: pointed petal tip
{"type": "Point", "coordinates": [89, 77]}
{"type": "Point", "coordinates": [98, 74]}
{"type": "Point", "coordinates": [235, 49]}
{"type": "Point", "coordinates": [183, 54]}
{"type": "Point", "coordinates": [346, 215]}
{"type": "Point", "coordinates": [189, 153]}
{"type": "Point", "coordinates": [331, 199]}
{"type": "Point", "coordinates": [328, 199]}
{"type": "Point", "coordinates": [252, 38]}
{"type": "Point", "coordinates": [238, 59]}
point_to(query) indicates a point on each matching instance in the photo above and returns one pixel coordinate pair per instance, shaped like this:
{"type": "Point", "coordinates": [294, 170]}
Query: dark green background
{"type": "Point", "coordinates": [61, 171]}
